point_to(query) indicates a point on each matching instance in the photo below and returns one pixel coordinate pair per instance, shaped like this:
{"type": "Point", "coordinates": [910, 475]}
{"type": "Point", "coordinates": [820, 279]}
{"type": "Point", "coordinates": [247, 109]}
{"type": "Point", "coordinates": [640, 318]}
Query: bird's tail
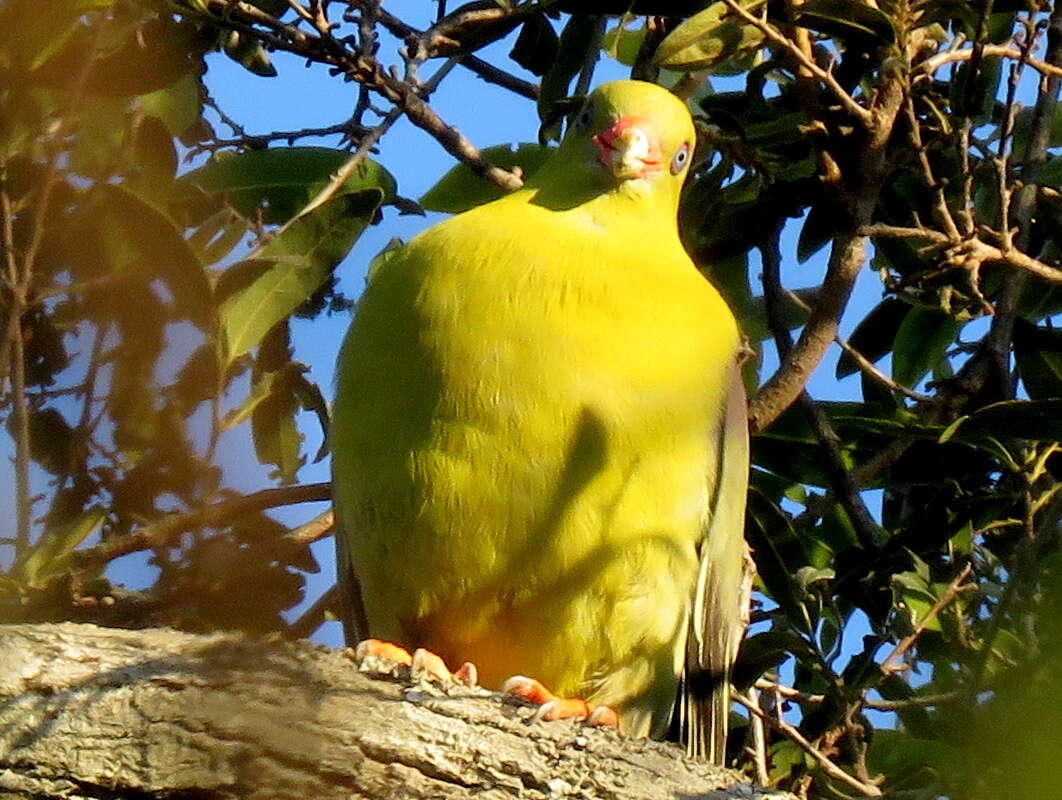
{"type": "Point", "coordinates": [717, 619]}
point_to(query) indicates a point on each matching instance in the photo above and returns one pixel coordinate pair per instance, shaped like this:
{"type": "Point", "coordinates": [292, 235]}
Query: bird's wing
{"type": "Point", "coordinates": [717, 620]}
{"type": "Point", "coordinates": [350, 609]}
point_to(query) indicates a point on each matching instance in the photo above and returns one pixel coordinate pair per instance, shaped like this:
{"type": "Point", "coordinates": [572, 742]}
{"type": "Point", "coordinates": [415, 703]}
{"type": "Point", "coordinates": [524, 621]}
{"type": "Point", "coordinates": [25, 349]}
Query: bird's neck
{"type": "Point", "coordinates": [633, 206]}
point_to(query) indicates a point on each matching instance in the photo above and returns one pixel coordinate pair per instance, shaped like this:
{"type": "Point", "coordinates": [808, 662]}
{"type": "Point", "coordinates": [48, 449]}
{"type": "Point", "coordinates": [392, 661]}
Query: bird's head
{"type": "Point", "coordinates": [630, 136]}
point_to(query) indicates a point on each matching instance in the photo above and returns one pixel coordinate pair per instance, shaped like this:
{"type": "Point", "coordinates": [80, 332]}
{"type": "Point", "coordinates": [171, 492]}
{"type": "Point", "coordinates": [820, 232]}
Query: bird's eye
{"type": "Point", "coordinates": [680, 159]}
{"type": "Point", "coordinates": [583, 120]}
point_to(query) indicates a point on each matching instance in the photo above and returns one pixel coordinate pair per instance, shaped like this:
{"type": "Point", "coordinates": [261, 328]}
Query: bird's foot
{"type": "Point", "coordinates": [551, 707]}
{"type": "Point", "coordinates": [384, 658]}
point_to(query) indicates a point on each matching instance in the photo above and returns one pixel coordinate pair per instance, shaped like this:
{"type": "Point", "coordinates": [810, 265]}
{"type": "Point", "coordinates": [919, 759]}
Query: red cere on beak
{"type": "Point", "coordinates": [629, 148]}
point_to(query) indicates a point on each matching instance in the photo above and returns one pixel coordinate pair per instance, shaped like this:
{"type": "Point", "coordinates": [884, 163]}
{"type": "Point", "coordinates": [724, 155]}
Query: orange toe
{"type": "Point", "coordinates": [375, 655]}
{"type": "Point", "coordinates": [384, 651]}
{"type": "Point", "coordinates": [552, 707]}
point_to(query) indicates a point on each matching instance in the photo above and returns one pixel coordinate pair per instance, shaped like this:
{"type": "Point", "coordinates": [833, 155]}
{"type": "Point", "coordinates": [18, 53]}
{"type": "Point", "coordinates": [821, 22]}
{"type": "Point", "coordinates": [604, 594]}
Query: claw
{"type": "Point", "coordinates": [551, 707]}
{"type": "Point", "coordinates": [382, 658]}
{"type": "Point", "coordinates": [467, 674]}
{"type": "Point", "coordinates": [429, 667]}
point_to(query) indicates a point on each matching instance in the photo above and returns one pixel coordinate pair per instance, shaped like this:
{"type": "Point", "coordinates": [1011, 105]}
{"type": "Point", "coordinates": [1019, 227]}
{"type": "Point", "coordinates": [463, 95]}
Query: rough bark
{"type": "Point", "coordinates": [90, 712]}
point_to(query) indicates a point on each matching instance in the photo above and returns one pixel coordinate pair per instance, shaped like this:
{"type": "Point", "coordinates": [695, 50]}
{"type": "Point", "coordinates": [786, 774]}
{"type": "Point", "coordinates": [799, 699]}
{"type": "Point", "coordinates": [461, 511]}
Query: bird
{"type": "Point", "coordinates": [539, 443]}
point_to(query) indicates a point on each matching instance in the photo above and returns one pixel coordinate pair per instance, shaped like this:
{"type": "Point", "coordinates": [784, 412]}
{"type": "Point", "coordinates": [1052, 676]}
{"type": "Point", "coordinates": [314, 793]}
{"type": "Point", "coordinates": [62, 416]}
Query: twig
{"type": "Point", "coordinates": [483, 69]}
{"type": "Point", "coordinates": [940, 200]}
{"type": "Point", "coordinates": [846, 491]}
{"type": "Point", "coordinates": [933, 63]}
{"type": "Point", "coordinates": [350, 129]}
{"type": "Point", "coordinates": [865, 365]}
{"type": "Point", "coordinates": [846, 259]}
{"type": "Point", "coordinates": [759, 742]}
{"type": "Point", "coordinates": [315, 616]}
{"type": "Point", "coordinates": [806, 62]}
{"type": "Point", "coordinates": [368, 141]}
{"type": "Point", "coordinates": [317, 528]}
{"type": "Point", "coordinates": [955, 588]}
{"type": "Point", "coordinates": [789, 693]}
{"type": "Point", "coordinates": [325, 49]}
{"type": "Point", "coordinates": [974, 247]}
{"type": "Point", "coordinates": [795, 736]}
{"type": "Point", "coordinates": [163, 532]}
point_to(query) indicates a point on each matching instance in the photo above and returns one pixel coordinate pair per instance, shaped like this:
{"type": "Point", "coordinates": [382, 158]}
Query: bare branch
{"type": "Point", "coordinates": [933, 63]}
{"type": "Point", "coordinates": [483, 69]}
{"type": "Point", "coordinates": [955, 588]}
{"type": "Point", "coordinates": [805, 61]}
{"type": "Point", "coordinates": [846, 492]}
{"type": "Point", "coordinates": [163, 532]}
{"type": "Point", "coordinates": [316, 529]}
{"type": "Point", "coordinates": [795, 736]}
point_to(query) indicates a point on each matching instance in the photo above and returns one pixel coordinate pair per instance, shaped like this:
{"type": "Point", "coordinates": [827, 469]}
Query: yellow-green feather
{"type": "Point", "coordinates": [523, 436]}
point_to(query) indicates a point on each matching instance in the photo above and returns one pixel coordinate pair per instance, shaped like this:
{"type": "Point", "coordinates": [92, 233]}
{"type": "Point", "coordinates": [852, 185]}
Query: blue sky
{"type": "Point", "coordinates": [487, 115]}
{"type": "Point", "coordinates": [302, 97]}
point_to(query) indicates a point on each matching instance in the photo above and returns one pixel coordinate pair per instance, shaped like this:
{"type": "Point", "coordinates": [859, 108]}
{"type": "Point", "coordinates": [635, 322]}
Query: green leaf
{"type": "Point", "coordinates": [277, 439]}
{"type": "Point", "coordinates": [290, 267]}
{"type": "Point", "coordinates": [623, 43]}
{"type": "Point", "coordinates": [51, 556]}
{"type": "Point", "coordinates": [874, 336]}
{"type": "Point", "coordinates": [848, 20]}
{"type": "Point", "coordinates": [155, 157]}
{"type": "Point", "coordinates": [764, 651]}
{"type": "Point", "coordinates": [1038, 353]}
{"type": "Point", "coordinates": [921, 341]}
{"type": "Point", "coordinates": [1038, 420]}
{"type": "Point", "coordinates": [817, 230]}
{"type": "Point", "coordinates": [576, 40]}
{"type": "Point", "coordinates": [158, 250]}
{"type": "Point", "coordinates": [536, 45]}
{"type": "Point", "coordinates": [34, 37]}
{"type": "Point", "coordinates": [1023, 127]}
{"type": "Point", "coordinates": [379, 261]}
{"type": "Point", "coordinates": [177, 105]}
{"type": "Point", "coordinates": [461, 189]}
{"type": "Point", "coordinates": [792, 314]}
{"type": "Point", "coordinates": [899, 754]}
{"type": "Point", "coordinates": [217, 235]}
{"type": "Point", "coordinates": [278, 182]}
{"type": "Point", "coordinates": [709, 37]}
{"type": "Point", "coordinates": [249, 54]}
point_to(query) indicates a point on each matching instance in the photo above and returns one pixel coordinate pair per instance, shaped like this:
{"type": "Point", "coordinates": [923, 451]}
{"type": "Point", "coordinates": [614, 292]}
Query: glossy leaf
{"type": "Point", "coordinates": [461, 189]}
{"type": "Point", "coordinates": [624, 43]}
{"type": "Point", "coordinates": [1039, 420]}
{"type": "Point", "coordinates": [177, 105]}
{"type": "Point", "coordinates": [1038, 352]}
{"type": "Point", "coordinates": [279, 182]}
{"type": "Point", "coordinates": [874, 335]}
{"type": "Point", "coordinates": [709, 37]}
{"type": "Point", "coordinates": [848, 20]}
{"type": "Point", "coordinates": [921, 341]}
{"type": "Point", "coordinates": [576, 41]}
{"type": "Point", "coordinates": [51, 556]}
{"type": "Point", "coordinates": [290, 267]}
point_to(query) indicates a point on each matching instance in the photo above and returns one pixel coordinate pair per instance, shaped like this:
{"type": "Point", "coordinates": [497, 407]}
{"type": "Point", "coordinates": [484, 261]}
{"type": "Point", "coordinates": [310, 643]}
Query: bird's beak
{"type": "Point", "coordinates": [629, 149]}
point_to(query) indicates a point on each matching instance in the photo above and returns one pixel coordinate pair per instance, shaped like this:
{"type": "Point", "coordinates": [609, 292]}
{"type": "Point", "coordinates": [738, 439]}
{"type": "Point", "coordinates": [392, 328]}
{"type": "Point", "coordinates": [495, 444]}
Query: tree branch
{"type": "Point", "coordinates": [164, 531]}
{"type": "Point", "coordinates": [88, 712]}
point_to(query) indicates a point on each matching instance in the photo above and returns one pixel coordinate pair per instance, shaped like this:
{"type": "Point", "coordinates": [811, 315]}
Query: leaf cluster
{"type": "Point", "coordinates": [905, 541]}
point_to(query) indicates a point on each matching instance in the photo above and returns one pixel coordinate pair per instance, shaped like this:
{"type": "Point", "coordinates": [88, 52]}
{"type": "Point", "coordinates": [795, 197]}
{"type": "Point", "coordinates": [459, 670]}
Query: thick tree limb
{"type": "Point", "coordinates": [89, 712]}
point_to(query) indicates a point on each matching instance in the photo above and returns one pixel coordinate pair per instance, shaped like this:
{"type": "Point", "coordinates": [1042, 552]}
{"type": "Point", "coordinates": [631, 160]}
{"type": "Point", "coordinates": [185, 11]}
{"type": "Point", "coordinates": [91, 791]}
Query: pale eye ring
{"type": "Point", "coordinates": [680, 159]}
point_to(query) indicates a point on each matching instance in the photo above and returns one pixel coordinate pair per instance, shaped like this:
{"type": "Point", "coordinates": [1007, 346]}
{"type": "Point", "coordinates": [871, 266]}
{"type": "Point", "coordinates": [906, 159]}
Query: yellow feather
{"type": "Point", "coordinates": [524, 430]}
